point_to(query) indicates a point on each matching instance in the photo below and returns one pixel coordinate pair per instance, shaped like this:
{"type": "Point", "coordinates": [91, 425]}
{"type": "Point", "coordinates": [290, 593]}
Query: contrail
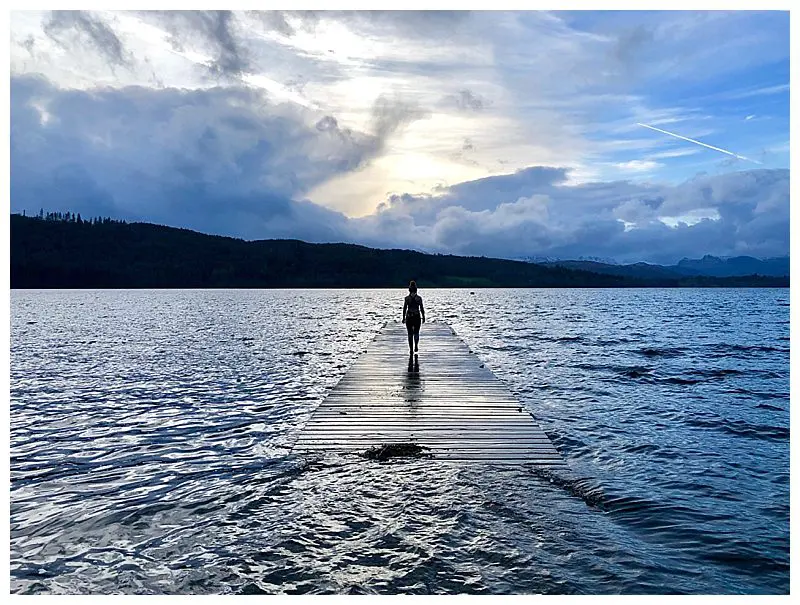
{"type": "Point", "coordinates": [677, 136]}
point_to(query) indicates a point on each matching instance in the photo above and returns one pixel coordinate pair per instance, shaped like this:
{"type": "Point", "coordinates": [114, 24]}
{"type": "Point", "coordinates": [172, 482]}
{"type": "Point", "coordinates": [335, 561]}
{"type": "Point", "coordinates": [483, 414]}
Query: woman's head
{"type": "Point", "coordinates": [412, 287]}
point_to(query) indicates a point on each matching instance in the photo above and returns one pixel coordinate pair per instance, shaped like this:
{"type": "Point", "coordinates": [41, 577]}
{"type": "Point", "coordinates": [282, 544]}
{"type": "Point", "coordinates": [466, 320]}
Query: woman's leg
{"type": "Point", "coordinates": [416, 336]}
{"type": "Point", "coordinates": [410, 328]}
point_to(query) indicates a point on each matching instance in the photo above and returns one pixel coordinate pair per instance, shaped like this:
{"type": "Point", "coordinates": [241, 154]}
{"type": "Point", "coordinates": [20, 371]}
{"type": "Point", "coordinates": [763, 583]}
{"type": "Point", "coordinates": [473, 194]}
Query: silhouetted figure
{"type": "Point", "coordinates": [413, 316]}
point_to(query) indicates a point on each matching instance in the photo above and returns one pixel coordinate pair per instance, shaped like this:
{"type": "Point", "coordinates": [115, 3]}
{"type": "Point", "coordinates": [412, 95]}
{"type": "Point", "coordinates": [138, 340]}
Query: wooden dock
{"type": "Point", "coordinates": [447, 402]}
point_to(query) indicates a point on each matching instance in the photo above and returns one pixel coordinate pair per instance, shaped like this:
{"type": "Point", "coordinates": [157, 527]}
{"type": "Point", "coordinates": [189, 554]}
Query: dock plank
{"type": "Point", "coordinates": [448, 403]}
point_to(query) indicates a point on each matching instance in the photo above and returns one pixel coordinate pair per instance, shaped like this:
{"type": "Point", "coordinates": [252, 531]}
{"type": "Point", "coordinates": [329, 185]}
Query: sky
{"type": "Point", "coordinates": [514, 134]}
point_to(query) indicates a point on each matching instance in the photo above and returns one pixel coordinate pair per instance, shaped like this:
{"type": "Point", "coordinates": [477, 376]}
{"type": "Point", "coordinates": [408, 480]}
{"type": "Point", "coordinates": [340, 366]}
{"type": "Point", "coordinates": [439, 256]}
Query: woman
{"type": "Point", "coordinates": [413, 316]}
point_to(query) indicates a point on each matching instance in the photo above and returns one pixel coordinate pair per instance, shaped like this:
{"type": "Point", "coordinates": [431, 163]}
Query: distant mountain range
{"type": "Point", "coordinates": [65, 251]}
{"type": "Point", "coordinates": [709, 266]}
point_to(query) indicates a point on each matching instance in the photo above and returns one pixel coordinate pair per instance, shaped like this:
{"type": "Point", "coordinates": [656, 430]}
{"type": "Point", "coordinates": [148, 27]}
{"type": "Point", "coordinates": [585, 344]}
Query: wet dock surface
{"type": "Point", "coordinates": [442, 402]}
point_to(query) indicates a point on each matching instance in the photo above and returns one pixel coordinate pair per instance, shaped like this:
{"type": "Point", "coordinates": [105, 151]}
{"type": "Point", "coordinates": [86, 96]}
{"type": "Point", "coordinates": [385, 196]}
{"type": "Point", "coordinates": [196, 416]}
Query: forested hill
{"type": "Point", "coordinates": [74, 253]}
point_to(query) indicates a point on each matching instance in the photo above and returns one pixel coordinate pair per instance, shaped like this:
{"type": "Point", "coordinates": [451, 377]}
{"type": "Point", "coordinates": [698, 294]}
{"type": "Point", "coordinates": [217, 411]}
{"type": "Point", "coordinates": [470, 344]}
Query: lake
{"type": "Point", "coordinates": [151, 435]}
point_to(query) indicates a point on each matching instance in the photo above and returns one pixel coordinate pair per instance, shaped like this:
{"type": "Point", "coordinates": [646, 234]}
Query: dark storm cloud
{"type": "Point", "coordinates": [219, 160]}
{"type": "Point", "coordinates": [90, 30]}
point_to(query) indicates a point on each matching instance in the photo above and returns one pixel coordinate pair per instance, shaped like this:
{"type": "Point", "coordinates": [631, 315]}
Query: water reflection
{"type": "Point", "coordinates": [413, 364]}
{"type": "Point", "coordinates": [412, 384]}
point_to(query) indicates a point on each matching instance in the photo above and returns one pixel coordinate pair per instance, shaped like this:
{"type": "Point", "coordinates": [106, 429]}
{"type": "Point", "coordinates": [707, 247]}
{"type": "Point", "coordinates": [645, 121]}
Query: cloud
{"type": "Point", "coordinates": [638, 165]}
{"type": "Point", "coordinates": [391, 114]}
{"type": "Point", "coordinates": [756, 92]}
{"type": "Point", "coordinates": [327, 123]}
{"type": "Point", "coordinates": [673, 153]}
{"type": "Point", "coordinates": [274, 20]}
{"type": "Point", "coordinates": [328, 105]}
{"type": "Point", "coordinates": [534, 213]}
{"type": "Point", "coordinates": [29, 44]}
{"type": "Point", "coordinates": [214, 32]}
{"type": "Point", "coordinates": [66, 27]}
{"type": "Point", "coordinates": [631, 49]}
{"type": "Point", "coordinates": [410, 23]}
{"type": "Point", "coordinates": [226, 161]}
{"type": "Point", "coordinates": [466, 100]}
{"type": "Point", "coordinates": [221, 160]}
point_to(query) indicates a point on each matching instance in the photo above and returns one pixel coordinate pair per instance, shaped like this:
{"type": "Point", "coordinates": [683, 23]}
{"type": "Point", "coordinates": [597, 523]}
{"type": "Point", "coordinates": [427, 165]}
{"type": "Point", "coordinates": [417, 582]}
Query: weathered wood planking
{"type": "Point", "coordinates": [447, 402]}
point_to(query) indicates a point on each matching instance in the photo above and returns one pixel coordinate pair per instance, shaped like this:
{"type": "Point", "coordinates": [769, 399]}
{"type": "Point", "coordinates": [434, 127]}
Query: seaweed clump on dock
{"type": "Point", "coordinates": [397, 450]}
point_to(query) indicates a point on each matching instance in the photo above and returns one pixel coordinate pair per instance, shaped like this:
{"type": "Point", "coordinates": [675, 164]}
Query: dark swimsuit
{"type": "Point", "coordinates": [413, 316]}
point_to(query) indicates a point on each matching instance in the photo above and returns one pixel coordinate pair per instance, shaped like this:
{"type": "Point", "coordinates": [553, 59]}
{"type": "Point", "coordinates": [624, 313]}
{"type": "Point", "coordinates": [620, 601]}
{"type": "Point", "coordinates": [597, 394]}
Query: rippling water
{"type": "Point", "coordinates": [150, 436]}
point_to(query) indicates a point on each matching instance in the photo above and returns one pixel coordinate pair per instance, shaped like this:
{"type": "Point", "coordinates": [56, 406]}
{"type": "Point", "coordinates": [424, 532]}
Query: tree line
{"type": "Point", "coordinates": [71, 217]}
{"type": "Point", "coordinates": [63, 252]}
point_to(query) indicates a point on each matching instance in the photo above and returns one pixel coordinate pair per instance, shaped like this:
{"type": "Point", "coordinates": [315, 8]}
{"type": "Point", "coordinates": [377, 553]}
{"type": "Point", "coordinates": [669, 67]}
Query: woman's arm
{"type": "Point", "coordinates": [421, 310]}
{"type": "Point", "coordinates": [405, 306]}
